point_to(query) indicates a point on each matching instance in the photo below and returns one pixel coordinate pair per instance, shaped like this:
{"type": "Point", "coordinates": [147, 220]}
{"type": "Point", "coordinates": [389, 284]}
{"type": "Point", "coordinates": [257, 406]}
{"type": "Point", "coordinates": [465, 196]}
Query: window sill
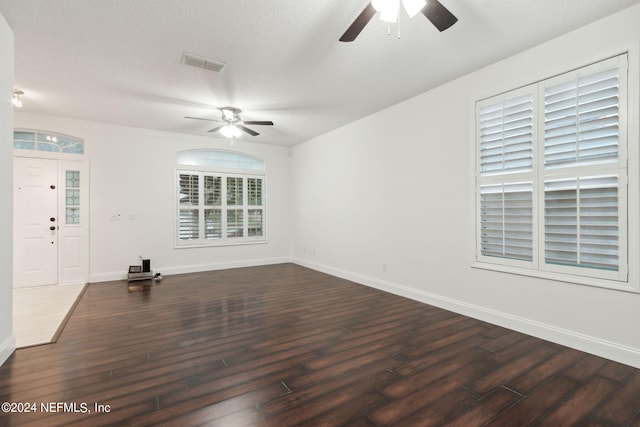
{"type": "Point", "coordinates": [566, 278]}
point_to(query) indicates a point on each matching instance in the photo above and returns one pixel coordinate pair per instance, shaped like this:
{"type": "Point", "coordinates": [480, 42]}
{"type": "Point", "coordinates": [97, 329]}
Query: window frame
{"type": "Point", "coordinates": [505, 179]}
{"type": "Point", "coordinates": [626, 167]}
{"type": "Point", "coordinates": [225, 240]}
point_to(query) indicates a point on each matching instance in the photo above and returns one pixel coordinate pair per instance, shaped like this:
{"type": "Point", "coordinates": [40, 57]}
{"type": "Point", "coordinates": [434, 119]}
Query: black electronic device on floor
{"type": "Point", "coordinates": [140, 272]}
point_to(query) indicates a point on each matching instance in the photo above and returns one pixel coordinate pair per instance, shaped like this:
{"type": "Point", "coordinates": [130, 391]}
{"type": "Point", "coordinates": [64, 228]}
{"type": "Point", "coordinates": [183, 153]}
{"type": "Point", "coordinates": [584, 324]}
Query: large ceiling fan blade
{"type": "Point", "coordinates": [201, 118]}
{"type": "Point", "coordinates": [247, 130]}
{"type": "Point", "coordinates": [439, 15]}
{"type": "Point", "coordinates": [358, 25]}
{"type": "Point", "coordinates": [216, 129]}
{"type": "Point", "coordinates": [257, 122]}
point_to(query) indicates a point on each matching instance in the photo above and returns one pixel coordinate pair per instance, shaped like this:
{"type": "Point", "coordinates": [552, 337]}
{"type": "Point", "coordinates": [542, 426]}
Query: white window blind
{"type": "Point", "coordinates": [506, 135]}
{"type": "Point", "coordinates": [551, 177]}
{"type": "Point", "coordinates": [581, 222]}
{"type": "Point", "coordinates": [506, 218]}
{"type": "Point", "coordinates": [219, 208]}
{"type": "Point", "coordinates": [212, 207]}
{"type": "Point", "coordinates": [256, 209]}
{"type": "Point", "coordinates": [189, 214]}
{"type": "Point", "coordinates": [212, 224]}
{"type": "Point", "coordinates": [581, 119]}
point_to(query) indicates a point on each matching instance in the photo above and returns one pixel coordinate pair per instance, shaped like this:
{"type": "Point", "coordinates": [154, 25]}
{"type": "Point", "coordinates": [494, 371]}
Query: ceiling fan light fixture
{"type": "Point", "coordinates": [230, 131]}
{"type": "Point", "coordinates": [413, 7]}
{"type": "Point", "coordinates": [388, 9]}
{"type": "Point", "coordinates": [235, 132]}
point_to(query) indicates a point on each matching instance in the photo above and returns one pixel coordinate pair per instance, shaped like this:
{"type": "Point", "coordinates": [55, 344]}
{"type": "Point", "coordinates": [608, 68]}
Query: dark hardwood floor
{"type": "Point", "coordinates": [283, 345]}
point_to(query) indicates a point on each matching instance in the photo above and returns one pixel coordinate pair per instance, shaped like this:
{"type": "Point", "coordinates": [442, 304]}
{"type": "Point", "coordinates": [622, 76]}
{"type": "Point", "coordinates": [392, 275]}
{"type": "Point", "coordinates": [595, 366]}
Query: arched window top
{"type": "Point", "coordinates": [47, 141]}
{"type": "Point", "coordinates": [219, 159]}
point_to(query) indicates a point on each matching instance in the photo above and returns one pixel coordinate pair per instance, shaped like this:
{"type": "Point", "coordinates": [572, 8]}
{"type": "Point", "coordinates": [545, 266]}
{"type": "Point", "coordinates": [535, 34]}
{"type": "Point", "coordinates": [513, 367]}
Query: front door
{"type": "Point", "coordinates": [36, 220]}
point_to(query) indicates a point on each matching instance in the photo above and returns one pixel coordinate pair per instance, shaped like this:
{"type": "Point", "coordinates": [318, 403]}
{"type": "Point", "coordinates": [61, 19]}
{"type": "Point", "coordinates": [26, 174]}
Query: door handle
{"type": "Point", "coordinates": [52, 228]}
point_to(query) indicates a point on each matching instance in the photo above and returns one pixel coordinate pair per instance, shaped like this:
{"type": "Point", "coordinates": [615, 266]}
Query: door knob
{"type": "Point", "coordinates": [52, 219]}
{"type": "Point", "coordinates": [52, 228]}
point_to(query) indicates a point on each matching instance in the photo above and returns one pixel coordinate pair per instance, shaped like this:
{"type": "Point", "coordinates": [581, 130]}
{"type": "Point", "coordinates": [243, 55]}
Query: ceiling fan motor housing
{"type": "Point", "coordinates": [230, 114]}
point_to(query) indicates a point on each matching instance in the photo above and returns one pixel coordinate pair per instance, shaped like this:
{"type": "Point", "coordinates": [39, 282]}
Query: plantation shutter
{"type": "Point", "coordinates": [235, 215]}
{"type": "Point", "coordinates": [506, 220]}
{"type": "Point", "coordinates": [581, 119]}
{"type": "Point", "coordinates": [255, 211]}
{"type": "Point", "coordinates": [212, 207]}
{"type": "Point", "coordinates": [552, 173]}
{"type": "Point", "coordinates": [189, 200]}
{"type": "Point", "coordinates": [506, 135]}
{"type": "Point", "coordinates": [581, 222]}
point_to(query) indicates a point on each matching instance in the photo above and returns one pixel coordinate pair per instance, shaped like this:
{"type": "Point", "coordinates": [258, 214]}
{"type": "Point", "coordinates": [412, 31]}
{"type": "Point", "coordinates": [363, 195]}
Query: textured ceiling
{"type": "Point", "coordinates": [119, 61]}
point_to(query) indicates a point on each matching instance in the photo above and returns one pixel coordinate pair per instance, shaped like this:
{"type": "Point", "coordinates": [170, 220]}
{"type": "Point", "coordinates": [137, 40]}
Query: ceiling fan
{"type": "Point", "coordinates": [233, 124]}
{"type": "Point", "coordinates": [389, 10]}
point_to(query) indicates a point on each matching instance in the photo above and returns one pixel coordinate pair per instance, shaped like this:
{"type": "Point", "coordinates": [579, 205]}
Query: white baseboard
{"type": "Point", "coordinates": [619, 353]}
{"type": "Point", "coordinates": [7, 348]}
{"type": "Point", "coordinates": [193, 268]}
{"type": "Point", "coordinates": [223, 265]}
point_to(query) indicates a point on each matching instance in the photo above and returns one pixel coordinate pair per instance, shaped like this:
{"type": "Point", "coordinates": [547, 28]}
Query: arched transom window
{"type": "Point", "coordinates": [47, 141]}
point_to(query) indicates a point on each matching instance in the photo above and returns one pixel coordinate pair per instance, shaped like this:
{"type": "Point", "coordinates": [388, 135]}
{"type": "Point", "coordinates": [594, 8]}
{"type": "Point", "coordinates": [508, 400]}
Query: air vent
{"type": "Point", "coordinates": [204, 63]}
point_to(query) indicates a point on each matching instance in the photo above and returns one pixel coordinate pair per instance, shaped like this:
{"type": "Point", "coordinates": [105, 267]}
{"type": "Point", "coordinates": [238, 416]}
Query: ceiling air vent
{"type": "Point", "coordinates": [200, 62]}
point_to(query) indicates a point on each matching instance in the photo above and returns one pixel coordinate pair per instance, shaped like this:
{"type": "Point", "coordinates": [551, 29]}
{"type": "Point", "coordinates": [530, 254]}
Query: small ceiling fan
{"type": "Point", "coordinates": [389, 10]}
{"type": "Point", "coordinates": [233, 124]}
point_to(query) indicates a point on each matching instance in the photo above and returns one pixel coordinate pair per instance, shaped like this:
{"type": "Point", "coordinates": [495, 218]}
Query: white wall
{"type": "Point", "coordinates": [7, 340]}
{"type": "Point", "coordinates": [363, 195]}
{"type": "Point", "coordinates": [397, 188]}
{"type": "Point", "coordinates": [132, 174]}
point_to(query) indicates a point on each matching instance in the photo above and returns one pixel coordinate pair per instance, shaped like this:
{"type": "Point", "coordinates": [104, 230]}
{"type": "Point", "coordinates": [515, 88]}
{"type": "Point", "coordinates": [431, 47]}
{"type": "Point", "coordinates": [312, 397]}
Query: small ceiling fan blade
{"type": "Point", "coordinates": [258, 122]}
{"type": "Point", "coordinates": [439, 15]}
{"type": "Point", "coordinates": [201, 118]}
{"type": "Point", "coordinates": [358, 25]}
{"type": "Point", "coordinates": [216, 129]}
{"type": "Point", "coordinates": [247, 130]}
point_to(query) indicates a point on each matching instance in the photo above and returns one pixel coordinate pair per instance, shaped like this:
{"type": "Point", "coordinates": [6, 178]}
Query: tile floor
{"type": "Point", "coordinates": [39, 311]}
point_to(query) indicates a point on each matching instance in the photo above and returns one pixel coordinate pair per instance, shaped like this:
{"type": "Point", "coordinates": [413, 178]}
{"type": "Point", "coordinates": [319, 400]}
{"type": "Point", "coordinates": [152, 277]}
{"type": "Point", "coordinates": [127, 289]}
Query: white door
{"type": "Point", "coordinates": [36, 220]}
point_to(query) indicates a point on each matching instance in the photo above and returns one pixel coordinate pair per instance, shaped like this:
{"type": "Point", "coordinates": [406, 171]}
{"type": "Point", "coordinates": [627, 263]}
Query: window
{"type": "Point", "coordinates": [551, 175]}
{"type": "Point", "coordinates": [219, 207]}
{"type": "Point", "coordinates": [72, 197]}
{"type": "Point", "coordinates": [47, 141]}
